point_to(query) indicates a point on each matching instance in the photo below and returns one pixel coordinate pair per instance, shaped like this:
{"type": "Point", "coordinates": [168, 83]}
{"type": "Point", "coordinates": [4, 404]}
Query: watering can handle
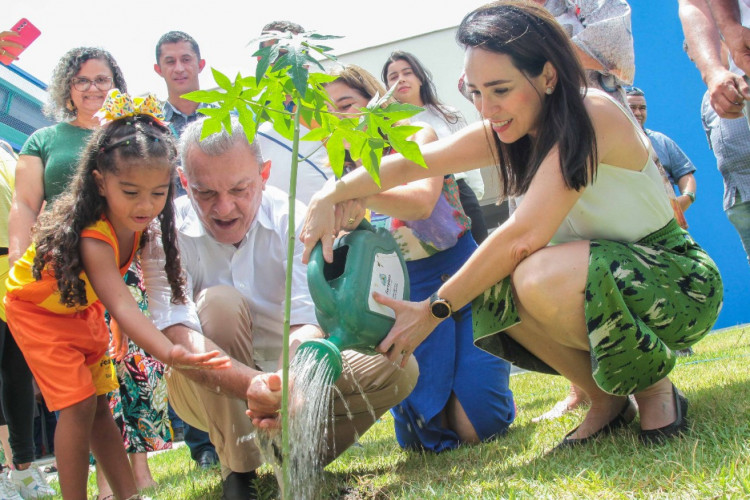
{"type": "Point", "coordinates": [316, 279]}
{"type": "Point", "coordinates": [324, 296]}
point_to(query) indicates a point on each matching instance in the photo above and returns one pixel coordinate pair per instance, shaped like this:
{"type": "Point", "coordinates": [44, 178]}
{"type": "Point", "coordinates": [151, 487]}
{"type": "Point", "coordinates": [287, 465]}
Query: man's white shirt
{"type": "Point", "coordinates": [256, 268]}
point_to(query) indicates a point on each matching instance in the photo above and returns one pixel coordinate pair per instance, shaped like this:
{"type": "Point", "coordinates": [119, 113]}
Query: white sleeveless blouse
{"type": "Point", "coordinates": [620, 204]}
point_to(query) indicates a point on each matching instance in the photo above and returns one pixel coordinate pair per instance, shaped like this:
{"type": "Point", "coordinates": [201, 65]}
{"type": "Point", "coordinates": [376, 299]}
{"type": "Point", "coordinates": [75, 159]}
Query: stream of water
{"type": "Point", "coordinates": [310, 407]}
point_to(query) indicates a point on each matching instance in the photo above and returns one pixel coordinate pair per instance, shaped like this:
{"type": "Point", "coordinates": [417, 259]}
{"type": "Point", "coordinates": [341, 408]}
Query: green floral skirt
{"type": "Point", "coordinates": [643, 301]}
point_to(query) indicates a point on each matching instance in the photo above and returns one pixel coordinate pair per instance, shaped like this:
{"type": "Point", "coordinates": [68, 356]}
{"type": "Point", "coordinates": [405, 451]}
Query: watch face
{"type": "Point", "coordinates": [440, 310]}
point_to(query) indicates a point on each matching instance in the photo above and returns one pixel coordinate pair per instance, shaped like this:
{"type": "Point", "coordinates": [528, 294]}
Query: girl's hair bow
{"type": "Point", "coordinates": [118, 105]}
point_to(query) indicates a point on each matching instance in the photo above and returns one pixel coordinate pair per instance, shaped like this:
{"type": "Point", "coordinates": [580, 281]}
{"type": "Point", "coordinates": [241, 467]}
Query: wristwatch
{"type": "Point", "coordinates": [690, 195]}
{"type": "Point", "coordinates": [440, 308]}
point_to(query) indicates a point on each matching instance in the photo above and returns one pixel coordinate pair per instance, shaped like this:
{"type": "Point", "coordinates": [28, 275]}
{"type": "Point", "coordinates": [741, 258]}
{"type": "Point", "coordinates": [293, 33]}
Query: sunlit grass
{"type": "Point", "coordinates": [711, 461]}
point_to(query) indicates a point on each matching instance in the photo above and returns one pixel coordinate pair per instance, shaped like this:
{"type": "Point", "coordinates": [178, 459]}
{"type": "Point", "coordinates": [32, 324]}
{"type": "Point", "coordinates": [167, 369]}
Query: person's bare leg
{"type": "Point", "coordinates": [458, 421]}
{"type": "Point", "coordinates": [107, 447]}
{"type": "Point", "coordinates": [656, 405]}
{"type": "Point", "coordinates": [575, 398]}
{"type": "Point", "coordinates": [141, 470]}
{"type": "Point", "coordinates": [105, 492]}
{"type": "Point", "coordinates": [72, 437]}
{"type": "Point", "coordinates": [4, 436]}
{"type": "Point", "coordinates": [549, 290]}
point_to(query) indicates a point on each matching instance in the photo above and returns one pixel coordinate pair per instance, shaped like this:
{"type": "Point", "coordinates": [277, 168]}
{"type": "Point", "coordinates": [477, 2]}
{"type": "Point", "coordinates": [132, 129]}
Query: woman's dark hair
{"type": "Point", "coordinates": [427, 91]}
{"type": "Point", "coordinates": [59, 105]}
{"type": "Point", "coordinates": [133, 140]}
{"type": "Point", "coordinates": [531, 37]}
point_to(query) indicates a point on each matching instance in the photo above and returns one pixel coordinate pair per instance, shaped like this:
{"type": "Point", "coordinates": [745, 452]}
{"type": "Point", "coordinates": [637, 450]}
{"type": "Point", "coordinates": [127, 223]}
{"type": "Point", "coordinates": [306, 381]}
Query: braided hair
{"type": "Point", "coordinates": [133, 140]}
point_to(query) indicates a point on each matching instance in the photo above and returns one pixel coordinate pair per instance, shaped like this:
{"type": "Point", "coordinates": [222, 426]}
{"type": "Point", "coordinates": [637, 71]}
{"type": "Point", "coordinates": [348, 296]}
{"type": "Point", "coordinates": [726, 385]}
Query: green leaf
{"type": "Point", "coordinates": [336, 153]}
{"type": "Point", "coordinates": [283, 125]}
{"type": "Point", "coordinates": [316, 134]}
{"type": "Point", "coordinates": [227, 122]}
{"type": "Point", "coordinates": [267, 56]}
{"type": "Point", "coordinates": [320, 78]}
{"type": "Point", "coordinates": [357, 140]}
{"type": "Point", "coordinates": [306, 114]}
{"type": "Point", "coordinates": [282, 71]}
{"type": "Point", "coordinates": [248, 122]}
{"type": "Point", "coordinates": [400, 111]}
{"type": "Point", "coordinates": [297, 61]}
{"type": "Point", "coordinates": [376, 143]}
{"type": "Point", "coordinates": [409, 149]}
{"type": "Point", "coordinates": [217, 113]}
{"type": "Point", "coordinates": [221, 79]}
{"type": "Point", "coordinates": [210, 126]}
{"type": "Point", "coordinates": [250, 82]}
{"type": "Point", "coordinates": [310, 61]}
{"type": "Point", "coordinates": [249, 94]}
{"type": "Point", "coordinates": [318, 36]}
{"type": "Point", "coordinates": [371, 162]}
{"type": "Point", "coordinates": [402, 131]}
{"type": "Point", "coordinates": [205, 96]}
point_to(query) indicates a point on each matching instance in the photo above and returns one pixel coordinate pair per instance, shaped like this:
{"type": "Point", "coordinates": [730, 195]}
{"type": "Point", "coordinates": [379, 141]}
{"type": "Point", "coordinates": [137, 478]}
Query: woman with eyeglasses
{"type": "Point", "coordinates": [47, 161]}
{"type": "Point", "coordinates": [80, 83]}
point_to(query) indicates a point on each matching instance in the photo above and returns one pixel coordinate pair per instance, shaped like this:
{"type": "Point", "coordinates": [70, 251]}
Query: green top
{"type": "Point", "coordinates": [58, 146]}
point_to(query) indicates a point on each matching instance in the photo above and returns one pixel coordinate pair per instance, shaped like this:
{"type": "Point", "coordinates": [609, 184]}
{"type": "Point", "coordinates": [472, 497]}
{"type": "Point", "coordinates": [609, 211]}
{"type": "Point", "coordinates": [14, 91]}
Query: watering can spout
{"type": "Point", "coordinates": [324, 351]}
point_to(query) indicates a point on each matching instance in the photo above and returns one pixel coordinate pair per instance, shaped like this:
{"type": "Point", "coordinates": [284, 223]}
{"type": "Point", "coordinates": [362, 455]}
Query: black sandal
{"type": "Point", "coordinates": [620, 420]}
{"type": "Point", "coordinates": [656, 436]}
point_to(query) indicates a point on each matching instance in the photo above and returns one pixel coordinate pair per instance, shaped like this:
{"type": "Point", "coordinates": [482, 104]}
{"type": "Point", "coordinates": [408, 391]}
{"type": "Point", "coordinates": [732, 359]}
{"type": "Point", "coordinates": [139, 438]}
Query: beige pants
{"type": "Point", "coordinates": [226, 320]}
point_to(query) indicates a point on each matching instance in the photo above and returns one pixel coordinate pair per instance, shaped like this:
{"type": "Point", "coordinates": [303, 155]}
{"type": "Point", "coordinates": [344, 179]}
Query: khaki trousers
{"type": "Point", "coordinates": [226, 319]}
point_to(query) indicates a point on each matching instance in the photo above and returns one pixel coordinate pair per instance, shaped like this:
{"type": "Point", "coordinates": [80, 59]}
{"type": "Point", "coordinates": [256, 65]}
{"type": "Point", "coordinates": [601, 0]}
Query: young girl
{"type": "Point", "coordinates": [72, 272]}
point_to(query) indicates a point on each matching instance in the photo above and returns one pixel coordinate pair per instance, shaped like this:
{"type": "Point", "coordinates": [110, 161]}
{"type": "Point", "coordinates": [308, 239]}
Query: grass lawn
{"type": "Point", "coordinates": [711, 461]}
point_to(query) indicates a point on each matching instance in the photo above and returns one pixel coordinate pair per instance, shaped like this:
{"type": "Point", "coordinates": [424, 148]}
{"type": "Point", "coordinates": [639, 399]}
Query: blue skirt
{"type": "Point", "coordinates": [449, 363]}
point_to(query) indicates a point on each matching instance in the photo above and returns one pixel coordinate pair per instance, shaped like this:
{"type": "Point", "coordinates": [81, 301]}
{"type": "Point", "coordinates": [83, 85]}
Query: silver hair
{"type": "Point", "coordinates": [215, 144]}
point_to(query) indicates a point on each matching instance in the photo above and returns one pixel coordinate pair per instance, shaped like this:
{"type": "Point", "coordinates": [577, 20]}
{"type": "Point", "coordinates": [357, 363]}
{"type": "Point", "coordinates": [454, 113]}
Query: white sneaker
{"type": "Point", "coordinates": [7, 489]}
{"type": "Point", "coordinates": [31, 483]}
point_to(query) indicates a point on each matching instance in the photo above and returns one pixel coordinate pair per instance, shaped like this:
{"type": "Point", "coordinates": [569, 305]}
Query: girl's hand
{"type": "Point", "coordinates": [181, 358]}
{"type": "Point", "coordinates": [414, 323]}
{"type": "Point", "coordinates": [320, 225]}
{"type": "Point", "coordinates": [264, 400]}
{"type": "Point", "coordinates": [118, 345]}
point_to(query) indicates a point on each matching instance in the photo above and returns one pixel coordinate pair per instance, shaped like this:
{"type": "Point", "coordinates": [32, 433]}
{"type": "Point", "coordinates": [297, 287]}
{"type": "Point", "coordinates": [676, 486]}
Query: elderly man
{"type": "Point", "coordinates": [232, 236]}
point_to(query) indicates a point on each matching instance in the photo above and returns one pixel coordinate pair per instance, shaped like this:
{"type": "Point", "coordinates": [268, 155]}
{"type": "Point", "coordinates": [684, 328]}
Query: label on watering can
{"type": "Point", "coordinates": [388, 279]}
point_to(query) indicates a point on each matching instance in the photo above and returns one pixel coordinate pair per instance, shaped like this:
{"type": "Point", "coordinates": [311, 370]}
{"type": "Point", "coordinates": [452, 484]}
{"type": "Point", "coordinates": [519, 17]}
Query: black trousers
{"type": "Point", "coordinates": [17, 396]}
{"type": "Point", "coordinates": [471, 207]}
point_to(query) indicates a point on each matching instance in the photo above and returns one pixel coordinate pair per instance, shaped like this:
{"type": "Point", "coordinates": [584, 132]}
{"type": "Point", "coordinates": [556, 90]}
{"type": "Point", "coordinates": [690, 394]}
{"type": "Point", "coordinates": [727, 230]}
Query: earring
{"type": "Point", "coordinates": [549, 90]}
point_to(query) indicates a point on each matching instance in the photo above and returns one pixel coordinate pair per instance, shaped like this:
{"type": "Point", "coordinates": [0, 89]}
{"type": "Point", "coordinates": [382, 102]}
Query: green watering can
{"type": "Point", "coordinates": [365, 260]}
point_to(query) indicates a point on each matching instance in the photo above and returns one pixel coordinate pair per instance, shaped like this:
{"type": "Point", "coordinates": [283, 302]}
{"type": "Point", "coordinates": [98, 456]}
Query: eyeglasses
{"type": "Point", "coordinates": [82, 84]}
